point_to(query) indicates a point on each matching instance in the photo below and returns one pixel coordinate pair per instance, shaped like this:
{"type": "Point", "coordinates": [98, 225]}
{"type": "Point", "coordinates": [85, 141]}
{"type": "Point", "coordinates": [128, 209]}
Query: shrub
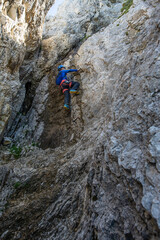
{"type": "Point", "coordinates": [16, 151]}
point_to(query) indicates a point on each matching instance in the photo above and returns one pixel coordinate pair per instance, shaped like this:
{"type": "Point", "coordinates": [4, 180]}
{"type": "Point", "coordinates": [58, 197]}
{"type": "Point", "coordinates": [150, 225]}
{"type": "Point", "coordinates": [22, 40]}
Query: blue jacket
{"type": "Point", "coordinates": [63, 75]}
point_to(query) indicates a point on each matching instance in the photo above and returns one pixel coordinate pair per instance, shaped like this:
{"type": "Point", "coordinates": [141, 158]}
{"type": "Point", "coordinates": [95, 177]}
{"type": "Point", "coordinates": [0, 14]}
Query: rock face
{"type": "Point", "coordinates": [21, 30]}
{"type": "Point", "coordinates": [105, 183]}
{"type": "Point", "coordinates": [77, 20]}
{"type": "Point", "coordinates": [61, 34]}
{"type": "Point", "coordinates": [122, 63]}
{"type": "Point", "coordinates": [12, 53]}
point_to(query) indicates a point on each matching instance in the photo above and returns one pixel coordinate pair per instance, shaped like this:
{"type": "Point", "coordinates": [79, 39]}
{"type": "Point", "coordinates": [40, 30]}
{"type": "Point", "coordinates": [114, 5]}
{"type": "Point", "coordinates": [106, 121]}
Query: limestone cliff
{"type": "Point", "coordinates": [105, 183]}
{"type": "Point", "coordinates": [21, 31]}
{"type": "Point", "coordinates": [63, 33]}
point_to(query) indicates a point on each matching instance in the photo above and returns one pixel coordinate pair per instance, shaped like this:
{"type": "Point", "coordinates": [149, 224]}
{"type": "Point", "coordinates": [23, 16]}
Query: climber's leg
{"type": "Point", "coordinates": [66, 99]}
{"type": "Point", "coordinates": [65, 89]}
{"type": "Point", "coordinates": [74, 87]}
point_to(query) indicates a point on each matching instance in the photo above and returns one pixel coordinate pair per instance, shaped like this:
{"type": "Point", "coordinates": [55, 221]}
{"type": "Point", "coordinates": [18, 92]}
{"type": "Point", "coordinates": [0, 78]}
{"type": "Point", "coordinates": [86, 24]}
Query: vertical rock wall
{"type": "Point", "coordinates": [62, 35]}
{"type": "Point", "coordinates": [12, 54]}
{"type": "Point", "coordinates": [21, 29]}
{"type": "Point", "coordinates": [121, 65]}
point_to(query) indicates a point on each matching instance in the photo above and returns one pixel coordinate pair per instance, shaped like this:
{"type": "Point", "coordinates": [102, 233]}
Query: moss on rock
{"type": "Point", "coordinates": [126, 6]}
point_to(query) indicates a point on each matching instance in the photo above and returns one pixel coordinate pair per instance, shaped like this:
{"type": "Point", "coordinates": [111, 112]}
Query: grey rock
{"type": "Point", "coordinates": [154, 146]}
{"type": "Point", "coordinates": [105, 183]}
{"type": "Point", "coordinates": [7, 141]}
{"type": "Point", "coordinates": [20, 32]}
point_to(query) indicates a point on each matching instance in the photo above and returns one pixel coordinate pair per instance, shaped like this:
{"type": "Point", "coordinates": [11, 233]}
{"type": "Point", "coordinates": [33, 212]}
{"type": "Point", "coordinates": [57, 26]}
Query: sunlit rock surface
{"type": "Point", "coordinates": [122, 64]}
{"type": "Point", "coordinates": [67, 30]}
{"type": "Point", "coordinates": [73, 23]}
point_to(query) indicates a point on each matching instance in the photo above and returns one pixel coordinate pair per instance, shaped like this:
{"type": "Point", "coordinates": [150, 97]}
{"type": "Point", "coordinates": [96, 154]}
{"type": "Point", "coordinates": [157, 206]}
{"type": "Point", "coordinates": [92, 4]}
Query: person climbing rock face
{"type": "Point", "coordinates": [66, 85]}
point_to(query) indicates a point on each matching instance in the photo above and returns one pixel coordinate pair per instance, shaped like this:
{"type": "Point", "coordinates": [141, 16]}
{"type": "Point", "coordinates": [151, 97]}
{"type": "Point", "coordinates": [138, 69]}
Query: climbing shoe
{"type": "Point", "coordinates": [74, 91]}
{"type": "Point", "coordinates": [66, 106]}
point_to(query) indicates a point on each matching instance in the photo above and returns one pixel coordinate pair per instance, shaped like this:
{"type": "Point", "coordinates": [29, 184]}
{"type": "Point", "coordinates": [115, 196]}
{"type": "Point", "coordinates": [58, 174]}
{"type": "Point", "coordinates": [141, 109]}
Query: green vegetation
{"type": "Point", "coordinates": [17, 184]}
{"type": "Point", "coordinates": [35, 144]}
{"type": "Point", "coordinates": [24, 185]}
{"type": "Point", "coordinates": [127, 33]}
{"type": "Point", "coordinates": [16, 151]}
{"type": "Point", "coordinates": [85, 38]}
{"type": "Point", "coordinates": [126, 6]}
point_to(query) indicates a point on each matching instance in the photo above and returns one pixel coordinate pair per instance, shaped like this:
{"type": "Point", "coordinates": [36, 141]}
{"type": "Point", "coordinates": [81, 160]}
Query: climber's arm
{"type": "Point", "coordinates": [70, 70]}
{"type": "Point", "coordinates": [73, 70]}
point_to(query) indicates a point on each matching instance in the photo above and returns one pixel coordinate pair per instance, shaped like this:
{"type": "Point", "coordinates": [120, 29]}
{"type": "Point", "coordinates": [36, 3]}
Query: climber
{"type": "Point", "coordinates": [66, 85]}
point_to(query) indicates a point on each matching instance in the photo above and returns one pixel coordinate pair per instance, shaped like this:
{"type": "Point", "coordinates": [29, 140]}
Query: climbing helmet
{"type": "Point", "coordinates": [60, 66]}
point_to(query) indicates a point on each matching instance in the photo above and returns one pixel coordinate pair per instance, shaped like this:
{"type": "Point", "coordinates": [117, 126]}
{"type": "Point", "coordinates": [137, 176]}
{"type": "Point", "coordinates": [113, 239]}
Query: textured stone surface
{"type": "Point", "coordinates": [12, 52]}
{"type": "Point", "coordinates": [122, 64]}
{"type": "Point", "coordinates": [106, 185]}
{"type": "Point", "coordinates": [77, 20]}
{"type": "Point", "coordinates": [21, 30]}
{"type": "Point", "coordinates": [81, 194]}
{"type": "Point", "coordinates": [65, 32]}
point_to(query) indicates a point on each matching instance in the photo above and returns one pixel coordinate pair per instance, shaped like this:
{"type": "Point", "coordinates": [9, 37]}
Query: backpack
{"type": "Point", "coordinates": [58, 79]}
